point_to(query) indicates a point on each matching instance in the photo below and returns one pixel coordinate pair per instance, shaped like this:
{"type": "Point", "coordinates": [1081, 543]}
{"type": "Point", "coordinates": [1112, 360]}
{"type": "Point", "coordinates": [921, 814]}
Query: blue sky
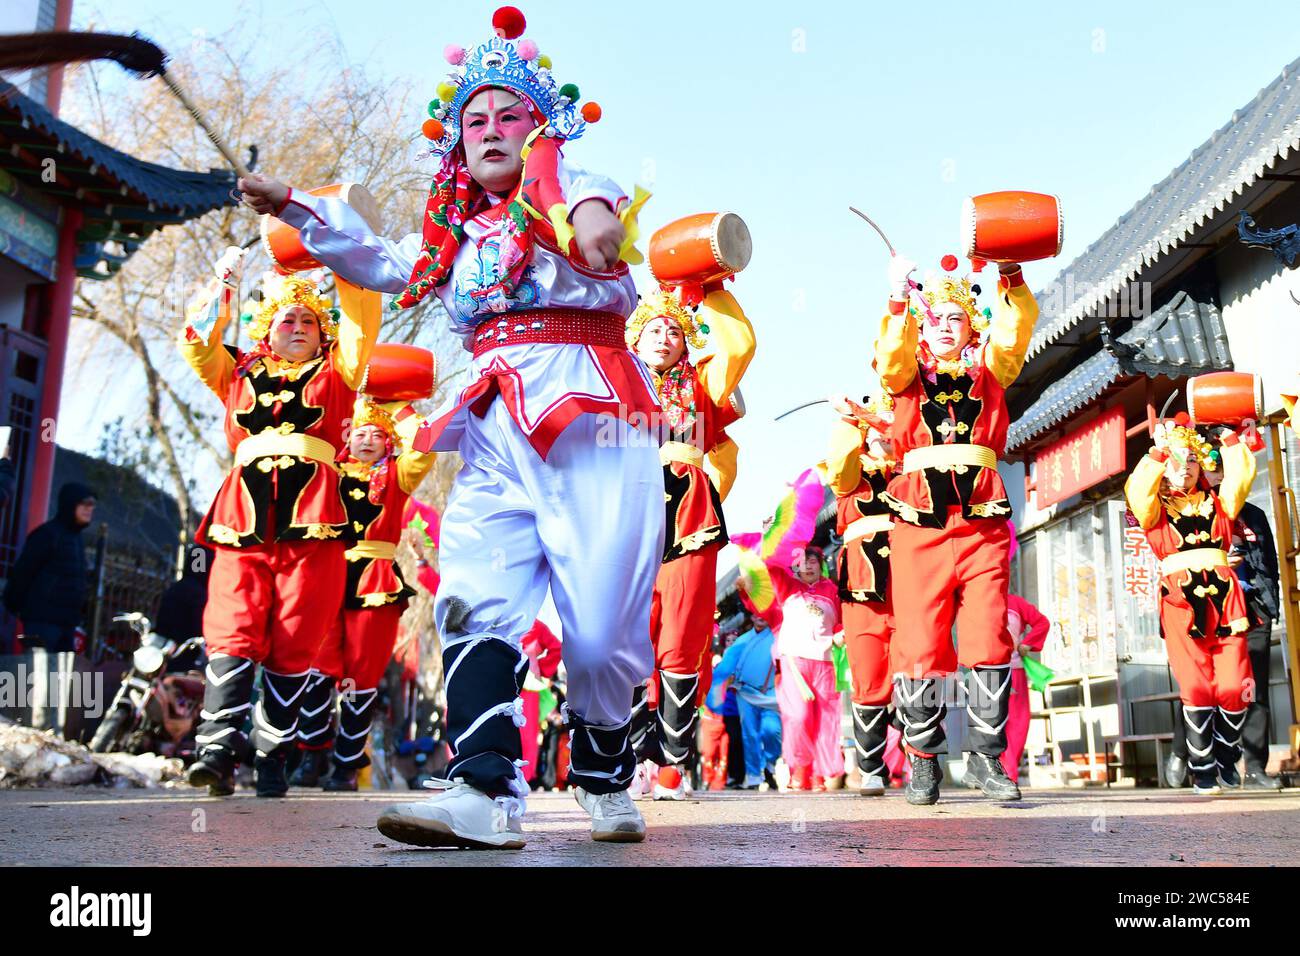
{"type": "Point", "coordinates": [788, 113]}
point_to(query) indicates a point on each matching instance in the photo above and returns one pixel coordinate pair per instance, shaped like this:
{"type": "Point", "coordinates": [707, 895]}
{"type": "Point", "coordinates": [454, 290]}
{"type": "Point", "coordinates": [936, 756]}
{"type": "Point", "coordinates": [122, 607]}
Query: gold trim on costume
{"type": "Point", "coordinates": [271, 443]}
{"type": "Point", "coordinates": [379, 550]}
{"type": "Point", "coordinates": [949, 456]}
{"type": "Point", "coordinates": [1198, 559]}
{"type": "Point", "coordinates": [871, 524]}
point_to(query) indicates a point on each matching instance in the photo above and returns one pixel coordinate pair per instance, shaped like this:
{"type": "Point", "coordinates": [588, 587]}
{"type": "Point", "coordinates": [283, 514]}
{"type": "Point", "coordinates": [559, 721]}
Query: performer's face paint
{"type": "Point", "coordinates": [809, 568]}
{"type": "Point", "coordinates": [368, 443]}
{"type": "Point", "coordinates": [1182, 471]}
{"type": "Point", "coordinates": [661, 345]}
{"type": "Point", "coordinates": [948, 332]}
{"type": "Point", "coordinates": [295, 334]}
{"type": "Point", "coordinates": [493, 128]}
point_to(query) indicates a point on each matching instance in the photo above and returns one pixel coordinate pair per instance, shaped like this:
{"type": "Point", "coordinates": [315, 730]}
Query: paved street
{"type": "Point", "coordinates": [86, 826]}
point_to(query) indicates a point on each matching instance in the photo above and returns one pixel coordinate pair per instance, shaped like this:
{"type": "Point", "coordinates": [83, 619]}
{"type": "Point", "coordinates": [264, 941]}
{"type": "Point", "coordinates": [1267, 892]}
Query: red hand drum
{"type": "Point", "coordinates": [399, 372]}
{"type": "Point", "coordinates": [1011, 226]}
{"type": "Point", "coordinates": [1225, 398]}
{"type": "Point", "coordinates": [699, 249]}
{"type": "Point", "coordinates": [283, 243]}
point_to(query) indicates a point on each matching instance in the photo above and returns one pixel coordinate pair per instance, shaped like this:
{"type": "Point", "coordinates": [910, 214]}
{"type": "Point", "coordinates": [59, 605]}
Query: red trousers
{"type": "Point", "coordinates": [681, 613]}
{"type": "Point", "coordinates": [713, 751]}
{"type": "Point", "coordinates": [1211, 671]}
{"type": "Point", "coordinates": [274, 603]}
{"type": "Point", "coordinates": [867, 632]}
{"type": "Point", "coordinates": [360, 645]}
{"type": "Point", "coordinates": [954, 574]}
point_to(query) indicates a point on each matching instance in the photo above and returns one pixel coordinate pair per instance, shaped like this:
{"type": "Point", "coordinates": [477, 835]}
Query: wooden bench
{"type": "Point", "coordinates": [1158, 739]}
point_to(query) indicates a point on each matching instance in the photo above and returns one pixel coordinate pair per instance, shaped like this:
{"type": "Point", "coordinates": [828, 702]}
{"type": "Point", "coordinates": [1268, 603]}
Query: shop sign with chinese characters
{"type": "Point", "coordinates": [1080, 459]}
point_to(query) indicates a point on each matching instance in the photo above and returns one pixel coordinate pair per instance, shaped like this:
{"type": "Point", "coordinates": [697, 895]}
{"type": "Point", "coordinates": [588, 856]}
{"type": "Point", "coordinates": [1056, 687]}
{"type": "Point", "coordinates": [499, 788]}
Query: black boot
{"type": "Point", "coordinates": [275, 718]}
{"type": "Point", "coordinates": [987, 773]}
{"type": "Point", "coordinates": [227, 696]}
{"type": "Point", "coordinates": [988, 704]}
{"type": "Point", "coordinates": [870, 725]}
{"type": "Point", "coordinates": [316, 714]}
{"type": "Point", "coordinates": [644, 727]}
{"type": "Point", "coordinates": [919, 703]}
{"type": "Point", "coordinates": [271, 780]}
{"type": "Point", "coordinates": [1227, 744]}
{"type": "Point", "coordinates": [311, 764]}
{"type": "Point", "coordinates": [1175, 771]}
{"type": "Point", "coordinates": [341, 780]}
{"type": "Point", "coordinates": [214, 769]}
{"type": "Point", "coordinates": [678, 711]}
{"type": "Point", "coordinates": [1200, 748]}
{"type": "Point", "coordinates": [923, 789]}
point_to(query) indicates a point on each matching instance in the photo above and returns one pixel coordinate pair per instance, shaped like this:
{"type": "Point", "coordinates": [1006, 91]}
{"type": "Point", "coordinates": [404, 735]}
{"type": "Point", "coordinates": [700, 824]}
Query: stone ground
{"type": "Point", "coordinates": [86, 826]}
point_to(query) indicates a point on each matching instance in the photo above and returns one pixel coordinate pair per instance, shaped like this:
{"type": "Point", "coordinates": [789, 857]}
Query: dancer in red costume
{"type": "Point", "coordinates": [699, 400]}
{"type": "Point", "coordinates": [858, 469]}
{"type": "Point", "coordinates": [277, 524]}
{"type": "Point", "coordinates": [1028, 628]}
{"type": "Point", "coordinates": [948, 379]}
{"type": "Point", "coordinates": [1202, 609]}
{"type": "Point", "coordinates": [377, 479]}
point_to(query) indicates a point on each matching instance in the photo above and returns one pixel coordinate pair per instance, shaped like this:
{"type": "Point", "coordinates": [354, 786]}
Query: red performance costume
{"type": "Point", "coordinates": [277, 523]}
{"type": "Point", "coordinates": [863, 521]}
{"type": "Point", "coordinates": [951, 540]}
{"type": "Point", "coordinates": [360, 642]}
{"type": "Point", "coordinates": [1202, 609]}
{"type": "Point", "coordinates": [699, 463]}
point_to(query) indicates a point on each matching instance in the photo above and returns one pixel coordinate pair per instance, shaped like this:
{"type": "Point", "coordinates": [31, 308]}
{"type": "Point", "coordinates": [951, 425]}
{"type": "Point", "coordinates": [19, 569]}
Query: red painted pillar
{"type": "Point", "coordinates": [56, 335]}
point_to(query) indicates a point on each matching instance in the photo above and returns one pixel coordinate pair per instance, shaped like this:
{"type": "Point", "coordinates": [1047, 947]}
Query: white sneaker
{"type": "Point", "coordinates": [459, 816]}
{"type": "Point", "coordinates": [679, 792]}
{"type": "Point", "coordinates": [614, 817]}
{"type": "Point", "coordinates": [643, 781]}
{"type": "Point", "coordinates": [873, 785]}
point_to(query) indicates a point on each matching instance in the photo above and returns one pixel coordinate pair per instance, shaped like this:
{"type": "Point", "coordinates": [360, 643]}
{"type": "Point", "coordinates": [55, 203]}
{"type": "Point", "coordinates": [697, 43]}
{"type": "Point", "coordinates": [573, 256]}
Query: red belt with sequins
{"type": "Point", "coordinates": [551, 326]}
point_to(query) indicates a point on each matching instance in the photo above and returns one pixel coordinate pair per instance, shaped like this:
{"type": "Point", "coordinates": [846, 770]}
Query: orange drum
{"type": "Point", "coordinates": [399, 373]}
{"type": "Point", "coordinates": [1225, 398]}
{"type": "Point", "coordinates": [283, 244]}
{"type": "Point", "coordinates": [1011, 226]}
{"type": "Point", "coordinates": [700, 249]}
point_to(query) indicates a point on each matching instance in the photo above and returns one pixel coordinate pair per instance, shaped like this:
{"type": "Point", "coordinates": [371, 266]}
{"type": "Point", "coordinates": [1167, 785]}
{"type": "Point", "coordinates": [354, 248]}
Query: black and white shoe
{"type": "Point", "coordinates": [987, 774]}
{"type": "Point", "coordinates": [923, 789]}
{"type": "Point", "coordinates": [215, 769]}
{"type": "Point", "coordinates": [1258, 780]}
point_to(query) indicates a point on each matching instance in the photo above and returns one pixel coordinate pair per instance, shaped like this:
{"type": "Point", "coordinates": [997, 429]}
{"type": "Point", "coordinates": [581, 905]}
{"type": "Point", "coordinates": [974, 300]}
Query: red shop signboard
{"type": "Point", "coordinates": [1080, 459]}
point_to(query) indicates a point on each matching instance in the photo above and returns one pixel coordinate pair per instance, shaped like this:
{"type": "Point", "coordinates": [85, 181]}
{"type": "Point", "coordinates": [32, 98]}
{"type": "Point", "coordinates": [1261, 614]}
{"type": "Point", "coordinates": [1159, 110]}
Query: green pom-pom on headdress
{"type": "Point", "coordinates": [434, 106]}
{"type": "Point", "coordinates": [571, 91]}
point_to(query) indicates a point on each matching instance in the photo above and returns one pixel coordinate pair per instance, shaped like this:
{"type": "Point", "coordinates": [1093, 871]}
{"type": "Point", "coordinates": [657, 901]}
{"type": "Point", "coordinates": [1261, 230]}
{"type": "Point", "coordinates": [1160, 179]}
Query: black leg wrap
{"type": "Point", "coordinates": [227, 703]}
{"type": "Point", "coordinates": [484, 677]}
{"type": "Point", "coordinates": [1199, 722]}
{"type": "Point", "coordinates": [988, 702]}
{"type": "Point", "coordinates": [600, 758]}
{"type": "Point", "coordinates": [643, 732]}
{"type": "Point", "coordinates": [870, 726]}
{"type": "Point", "coordinates": [316, 713]}
{"type": "Point", "coordinates": [356, 710]}
{"type": "Point", "coordinates": [919, 703]}
{"type": "Point", "coordinates": [1227, 736]}
{"type": "Point", "coordinates": [678, 713]}
{"type": "Point", "coordinates": [275, 718]}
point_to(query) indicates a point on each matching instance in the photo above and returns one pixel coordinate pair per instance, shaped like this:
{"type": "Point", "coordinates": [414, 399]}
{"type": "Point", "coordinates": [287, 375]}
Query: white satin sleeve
{"type": "Point", "coordinates": [579, 185]}
{"type": "Point", "coordinates": [341, 240]}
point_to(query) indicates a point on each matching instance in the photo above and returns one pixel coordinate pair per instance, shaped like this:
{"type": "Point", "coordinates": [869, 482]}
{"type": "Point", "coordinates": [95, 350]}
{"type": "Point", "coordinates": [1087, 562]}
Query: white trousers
{"type": "Point", "coordinates": [588, 523]}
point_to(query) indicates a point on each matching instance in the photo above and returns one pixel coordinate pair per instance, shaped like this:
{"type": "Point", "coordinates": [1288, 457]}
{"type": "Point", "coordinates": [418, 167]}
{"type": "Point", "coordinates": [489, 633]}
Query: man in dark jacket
{"type": "Point", "coordinates": [47, 587]}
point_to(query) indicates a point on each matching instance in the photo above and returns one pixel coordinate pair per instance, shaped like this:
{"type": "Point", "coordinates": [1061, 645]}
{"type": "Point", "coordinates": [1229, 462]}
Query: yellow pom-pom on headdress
{"type": "Point", "coordinates": [278, 293]}
{"type": "Point", "coordinates": [667, 305]}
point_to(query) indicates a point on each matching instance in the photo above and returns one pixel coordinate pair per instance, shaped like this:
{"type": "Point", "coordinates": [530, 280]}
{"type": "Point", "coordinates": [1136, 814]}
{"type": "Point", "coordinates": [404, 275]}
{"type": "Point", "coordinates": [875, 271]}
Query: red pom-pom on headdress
{"type": "Point", "coordinates": [1182, 418]}
{"type": "Point", "coordinates": [509, 22]}
{"type": "Point", "coordinates": [591, 112]}
{"type": "Point", "coordinates": [948, 263]}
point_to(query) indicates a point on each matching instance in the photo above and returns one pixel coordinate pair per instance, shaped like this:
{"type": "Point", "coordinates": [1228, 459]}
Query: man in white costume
{"type": "Point", "coordinates": [527, 255]}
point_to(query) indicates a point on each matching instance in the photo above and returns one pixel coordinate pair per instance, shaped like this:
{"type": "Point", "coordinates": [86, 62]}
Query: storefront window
{"type": "Point", "coordinates": [1075, 593]}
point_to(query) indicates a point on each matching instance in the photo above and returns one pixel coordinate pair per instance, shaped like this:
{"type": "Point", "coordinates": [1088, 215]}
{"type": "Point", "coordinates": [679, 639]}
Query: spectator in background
{"type": "Point", "coordinates": [47, 590]}
{"type": "Point", "coordinates": [749, 668]}
{"type": "Point", "coordinates": [7, 476]}
{"type": "Point", "coordinates": [1028, 628]}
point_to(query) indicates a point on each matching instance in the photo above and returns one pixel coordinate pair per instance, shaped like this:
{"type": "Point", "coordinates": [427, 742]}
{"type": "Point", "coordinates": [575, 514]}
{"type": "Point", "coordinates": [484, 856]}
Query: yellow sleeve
{"type": "Point", "coordinates": [844, 463]}
{"type": "Point", "coordinates": [896, 351]}
{"type": "Point", "coordinates": [358, 329]}
{"type": "Point", "coordinates": [1009, 333]}
{"type": "Point", "coordinates": [210, 360]}
{"type": "Point", "coordinates": [733, 337]}
{"type": "Point", "coordinates": [412, 466]}
{"type": "Point", "coordinates": [1143, 492]}
{"type": "Point", "coordinates": [720, 466]}
{"type": "Point", "coordinates": [1238, 476]}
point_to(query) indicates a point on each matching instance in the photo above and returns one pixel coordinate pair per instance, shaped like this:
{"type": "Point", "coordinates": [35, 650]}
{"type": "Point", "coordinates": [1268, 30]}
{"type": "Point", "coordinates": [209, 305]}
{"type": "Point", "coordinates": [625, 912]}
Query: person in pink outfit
{"type": "Point", "coordinates": [1028, 629]}
{"type": "Point", "coordinates": [806, 690]}
{"type": "Point", "coordinates": [543, 650]}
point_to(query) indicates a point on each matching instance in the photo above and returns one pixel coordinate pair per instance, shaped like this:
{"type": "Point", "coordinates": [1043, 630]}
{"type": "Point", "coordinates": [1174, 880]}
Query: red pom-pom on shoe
{"type": "Point", "coordinates": [509, 22]}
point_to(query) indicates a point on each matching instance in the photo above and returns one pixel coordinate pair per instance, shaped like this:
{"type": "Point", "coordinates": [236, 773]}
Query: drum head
{"type": "Point", "coordinates": [360, 199]}
{"type": "Point", "coordinates": [732, 244]}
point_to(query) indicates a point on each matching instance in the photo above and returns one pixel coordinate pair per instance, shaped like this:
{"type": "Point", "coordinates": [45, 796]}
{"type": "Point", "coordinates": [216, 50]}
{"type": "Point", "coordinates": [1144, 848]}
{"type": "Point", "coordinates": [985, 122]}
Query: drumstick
{"type": "Point", "coordinates": [820, 401]}
{"type": "Point", "coordinates": [199, 118]}
{"type": "Point", "coordinates": [912, 287]}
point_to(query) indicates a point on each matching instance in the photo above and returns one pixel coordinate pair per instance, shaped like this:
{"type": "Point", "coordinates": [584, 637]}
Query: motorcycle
{"type": "Point", "coordinates": [157, 705]}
